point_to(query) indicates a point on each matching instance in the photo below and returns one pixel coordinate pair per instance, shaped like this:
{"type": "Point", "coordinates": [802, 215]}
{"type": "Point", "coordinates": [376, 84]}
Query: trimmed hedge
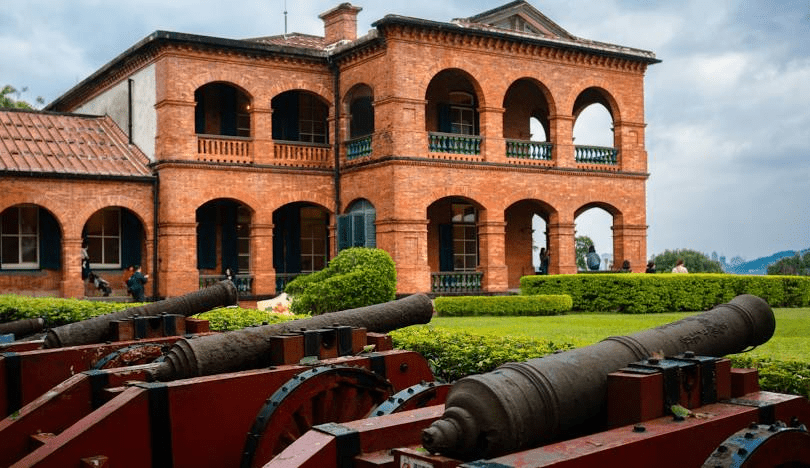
{"type": "Point", "coordinates": [539, 305]}
{"type": "Point", "coordinates": [453, 355]}
{"type": "Point", "coordinates": [357, 277]}
{"type": "Point", "coordinates": [236, 318]}
{"type": "Point", "coordinates": [55, 311]}
{"type": "Point", "coordinates": [643, 293]}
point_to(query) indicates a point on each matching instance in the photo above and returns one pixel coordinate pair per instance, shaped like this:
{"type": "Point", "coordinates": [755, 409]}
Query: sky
{"type": "Point", "coordinates": [727, 110]}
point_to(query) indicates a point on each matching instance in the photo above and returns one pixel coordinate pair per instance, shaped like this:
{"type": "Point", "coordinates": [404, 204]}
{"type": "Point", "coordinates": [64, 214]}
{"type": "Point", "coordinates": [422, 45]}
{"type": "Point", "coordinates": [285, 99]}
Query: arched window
{"type": "Point", "coordinates": [19, 236]}
{"type": "Point", "coordinates": [356, 227]}
{"type": "Point", "coordinates": [221, 109]}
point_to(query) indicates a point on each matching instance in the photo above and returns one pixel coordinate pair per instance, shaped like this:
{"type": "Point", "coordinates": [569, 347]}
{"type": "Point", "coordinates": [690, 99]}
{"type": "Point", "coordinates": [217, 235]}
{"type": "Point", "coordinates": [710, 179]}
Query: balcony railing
{"type": "Point", "coordinates": [531, 150]}
{"type": "Point", "coordinates": [282, 279]}
{"type": "Point", "coordinates": [358, 147]}
{"type": "Point", "coordinates": [294, 153]}
{"type": "Point", "coordinates": [456, 281]}
{"type": "Point", "coordinates": [220, 148]}
{"type": "Point", "coordinates": [596, 155]}
{"type": "Point", "coordinates": [243, 283]}
{"type": "Point", "coordinates": [454, 143]}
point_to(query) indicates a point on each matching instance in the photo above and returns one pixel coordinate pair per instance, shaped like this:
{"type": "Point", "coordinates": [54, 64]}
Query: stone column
{"type": "Point", "coordinates": [406, 241]}
{"type": "Point", "coordinates": [492, 248]}
{"type": "Point", "coordinates": [493, 146]}
{"type": "Point", "coordinates": [261, 259]}
{"type": "Point", "coordinates": [177, 263]}
{"type": "Point", "coordinates": [562, 137]}
{"type": "Point", "coordinates": [630, 243]}
{"type": "Point", "coordinates": [71, 284]}
{"type": "Point", "coordinates": [562, 247]}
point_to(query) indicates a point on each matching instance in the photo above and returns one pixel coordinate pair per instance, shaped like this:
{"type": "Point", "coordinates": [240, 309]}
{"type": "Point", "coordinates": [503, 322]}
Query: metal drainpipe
{"type": "Point", "coordinates": [130, 84]}
{"type": "Point", "coordinates": [336, 74]}
{"type": "Point", "coordinates": [155, 206]}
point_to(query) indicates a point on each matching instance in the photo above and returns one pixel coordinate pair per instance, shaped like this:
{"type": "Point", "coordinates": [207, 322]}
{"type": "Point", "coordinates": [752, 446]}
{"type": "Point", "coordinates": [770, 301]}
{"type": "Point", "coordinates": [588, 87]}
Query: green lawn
{"type": "Point", "coordinates": [791, 341]}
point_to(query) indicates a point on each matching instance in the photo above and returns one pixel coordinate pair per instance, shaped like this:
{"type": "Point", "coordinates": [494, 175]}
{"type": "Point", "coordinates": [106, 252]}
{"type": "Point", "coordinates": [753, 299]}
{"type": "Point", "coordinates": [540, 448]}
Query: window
{"type": "Point", "coordinates": [356, 227]}
{"type": "Point", "coordinates": [462, 113]}
{"type": "Point", "coordinates": [19, 236]}
{"type": "Point", "coordinates": [243, 238]}
{"type": "Point", "coordinates": [312, 120]}
{"type": "Point", "coordinates": [313, 239]}
{"type": "Point", "coordinates": [103, 234]}
{"type": "Point", "coordinates": [465, 237]}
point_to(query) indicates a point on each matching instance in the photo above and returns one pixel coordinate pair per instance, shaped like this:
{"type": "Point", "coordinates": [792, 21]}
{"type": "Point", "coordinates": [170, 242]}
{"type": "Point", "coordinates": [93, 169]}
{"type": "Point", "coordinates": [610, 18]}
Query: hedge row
{"type": "Point", "coordinates": [453, 355]}
{"type": "Point", "coordinates": [538, 305]}
{"type": "Point", "coordinates": [55, 311]}
{"type": "Point", "coordinates": [643, 293]}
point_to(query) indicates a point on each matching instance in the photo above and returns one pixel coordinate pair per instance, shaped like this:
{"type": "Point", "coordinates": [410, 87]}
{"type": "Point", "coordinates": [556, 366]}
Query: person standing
{"type": "Point", "coordinates": [679, 267]}
{"type": "Point", "coordinates": [135, 284]}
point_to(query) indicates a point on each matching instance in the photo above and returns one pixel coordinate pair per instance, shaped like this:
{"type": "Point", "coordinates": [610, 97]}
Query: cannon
{"type": "Point", "coordinates": [96, 329]}
{"type": "Point", "coordinates": [249, 348]}
{"type": "Point", "coordinates": [22, 328]}
{"type": "Point", "coordinates": [521, 405]}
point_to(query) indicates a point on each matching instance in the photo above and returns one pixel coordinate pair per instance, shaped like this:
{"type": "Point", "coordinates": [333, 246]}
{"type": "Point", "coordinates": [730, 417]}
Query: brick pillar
{"type": "Point", "coordinates": [562, 247]}
{"type": "Point", "coordinates": [262, 132]}
{"type": "Point", "coordinates": [406, 242]}
{"type": "Point", "coordinates": [630, 243]}
{"type": "Point", "coordinates": [492, 248]}
{"type": "Point", "coordinates": [71, 284]}
{"type": "Point", "coordinates": [493, 148]}
{"type": "Point", "coordinates": [562, 134]}
{"type": "Point", "coordinates": [629, 139]}
{"type": "Point", "coordinates": [261, 259]}
{"type": "Point", "coordinates": [175, 141]}
{"type": "Point", "coordinates": [177, 244]}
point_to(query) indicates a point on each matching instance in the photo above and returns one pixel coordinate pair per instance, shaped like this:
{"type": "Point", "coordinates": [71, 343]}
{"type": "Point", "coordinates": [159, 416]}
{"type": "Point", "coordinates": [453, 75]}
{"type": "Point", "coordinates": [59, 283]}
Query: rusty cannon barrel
{"type": "Point", "coordinates": [249, 348]}
{"type": "Point", "coordinates": [523, 405]}
{"type": "Point", "coordinates": [24, 327]}
{"type": "Point", "coordinates": [96, 329]}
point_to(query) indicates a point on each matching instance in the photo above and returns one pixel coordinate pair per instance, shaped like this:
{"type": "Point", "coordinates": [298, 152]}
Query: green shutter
{"type": "Point", "coordinates": [50, 242]}
{"type": "Point", "coordinates": [131, 239]}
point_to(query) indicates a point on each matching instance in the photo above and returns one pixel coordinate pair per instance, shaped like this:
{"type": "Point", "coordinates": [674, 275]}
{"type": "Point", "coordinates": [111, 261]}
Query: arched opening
{"type": "Point", "coordinates": [30, 241]}
{"type": "Point", "coordinates": [361, 111]}
{"type": "Point", "coordinates": [300, 116]}
{"type": "Point", "coordinates": [593, 134]}
{"type": "Point", "coordinates": [525, 238]}
{"type": "Point", "coordinates": [526, 125]}
{"type": "Point", "coordinates": [114, 240]}
{"type": "Point", "coordinates": [451, 113]}
{"type": "Point", "coordinates": [595, 224]}
{"type": "Point", "coordinates": [453, 254]}
{"type": "Point", "coordinates": [223, 243]}
{"type": "Point", "coordinates": [300, 241]}
{"type": "Point", "coordinates": [356, 227]}
{"type": "Point", "coordinates": [221, 109]}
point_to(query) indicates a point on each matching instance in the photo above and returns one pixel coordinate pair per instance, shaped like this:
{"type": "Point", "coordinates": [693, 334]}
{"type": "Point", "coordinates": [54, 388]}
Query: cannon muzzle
{"type": "Point", "coordinates": [249, 348]}
{"type": "Point", "coordinates": [96, 329]}
{"type": "Point", "coordinates": [523, 405]}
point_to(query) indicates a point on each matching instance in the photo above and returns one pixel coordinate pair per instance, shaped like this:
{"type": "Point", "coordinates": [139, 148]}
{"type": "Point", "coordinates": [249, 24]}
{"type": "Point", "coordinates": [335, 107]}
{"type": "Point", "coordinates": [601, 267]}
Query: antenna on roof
{"type": "Point", "coordinates": [285, 19]}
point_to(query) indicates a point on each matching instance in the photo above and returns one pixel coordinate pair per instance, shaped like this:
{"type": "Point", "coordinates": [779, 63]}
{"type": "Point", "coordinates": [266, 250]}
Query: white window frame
{"type": "Point", "coordinates": [105, 238]}
{"type": "Point", "coordinates": [18, 238]}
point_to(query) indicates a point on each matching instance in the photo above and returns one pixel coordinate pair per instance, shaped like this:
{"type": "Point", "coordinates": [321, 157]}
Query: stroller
{"type": "Point", "coordinates": [100, 283]}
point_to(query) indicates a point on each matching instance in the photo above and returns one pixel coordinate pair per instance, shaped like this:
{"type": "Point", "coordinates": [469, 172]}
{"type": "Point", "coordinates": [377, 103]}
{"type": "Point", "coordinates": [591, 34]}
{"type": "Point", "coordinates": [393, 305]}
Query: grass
{"type": "Point", "coordinates": [790, 341]}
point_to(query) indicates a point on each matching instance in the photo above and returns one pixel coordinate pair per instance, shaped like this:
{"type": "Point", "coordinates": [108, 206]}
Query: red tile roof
{"type": "Point", "coordinates": [304, 41]}
{"type": "Point", "coordinates": [51, 143]}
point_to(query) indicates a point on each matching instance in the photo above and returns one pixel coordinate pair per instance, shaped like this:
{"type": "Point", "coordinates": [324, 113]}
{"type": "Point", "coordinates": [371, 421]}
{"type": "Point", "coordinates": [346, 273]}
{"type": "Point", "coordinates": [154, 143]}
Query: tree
{"type": "Point", "coordinates": [796, 265]}
{"type": "Point", "coordinates": [10, 97]}
{"type": "Point", "coordinates": [583, 243]}
{"type": "Point", "coordinates": [695, 262]}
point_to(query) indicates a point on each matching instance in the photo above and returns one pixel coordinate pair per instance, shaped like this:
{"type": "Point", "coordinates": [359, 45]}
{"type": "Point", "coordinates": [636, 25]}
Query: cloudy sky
{"type": "Point", "coordinates": [728, 109]}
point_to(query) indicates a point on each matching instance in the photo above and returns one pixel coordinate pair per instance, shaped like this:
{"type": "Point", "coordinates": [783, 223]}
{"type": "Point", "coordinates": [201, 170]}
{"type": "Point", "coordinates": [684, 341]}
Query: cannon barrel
{"type": "Point", "coordinates": [96, 329]}
{"type": "Point", "coordinates": [21, 328]}
{"type": "Point", "coordinates": [249, 348]}
{"type": "Point", "coordinates": [523, 405]}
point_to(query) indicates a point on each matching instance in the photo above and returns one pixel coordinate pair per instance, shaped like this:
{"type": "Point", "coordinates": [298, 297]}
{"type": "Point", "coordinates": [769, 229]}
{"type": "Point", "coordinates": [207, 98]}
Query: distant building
{"type": "Point", "coordinates": [191, 155]}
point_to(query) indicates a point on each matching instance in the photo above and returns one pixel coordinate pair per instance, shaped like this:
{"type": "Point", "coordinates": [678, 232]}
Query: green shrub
{"type": "Point", "coordinates": [643, 293]}
{"type": "Point", "coordinates": [453, 355]}
{"type": "Point", "coordinates": [539, 305]}
{"type": "Point", "coordinates": [778, 376]}
{"type": "Point", "coordinates": [55, 311]}
{"type": "Point", "coordinates": [236, 318]}
{"type": "Point", "coordinates": [357, 277]}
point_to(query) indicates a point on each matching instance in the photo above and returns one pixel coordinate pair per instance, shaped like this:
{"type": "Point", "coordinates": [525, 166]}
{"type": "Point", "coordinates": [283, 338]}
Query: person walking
{"type": "Point", "coordinates": [135, 284]}
{"type": "Point", "coordinates": [679, 267]}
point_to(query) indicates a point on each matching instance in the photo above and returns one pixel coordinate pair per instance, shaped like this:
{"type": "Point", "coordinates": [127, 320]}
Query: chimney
{"type": "Point", "coordinates": [340, 23]}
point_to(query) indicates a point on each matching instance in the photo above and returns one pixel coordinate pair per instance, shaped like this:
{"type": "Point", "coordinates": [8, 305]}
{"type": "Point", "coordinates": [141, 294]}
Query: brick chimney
{"type": "Point", "coordinates": [340, 23]}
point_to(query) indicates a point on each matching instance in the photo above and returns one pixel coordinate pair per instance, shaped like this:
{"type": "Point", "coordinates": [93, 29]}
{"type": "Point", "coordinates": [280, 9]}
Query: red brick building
{"type": "Point", "coordinates": [266, 156]}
